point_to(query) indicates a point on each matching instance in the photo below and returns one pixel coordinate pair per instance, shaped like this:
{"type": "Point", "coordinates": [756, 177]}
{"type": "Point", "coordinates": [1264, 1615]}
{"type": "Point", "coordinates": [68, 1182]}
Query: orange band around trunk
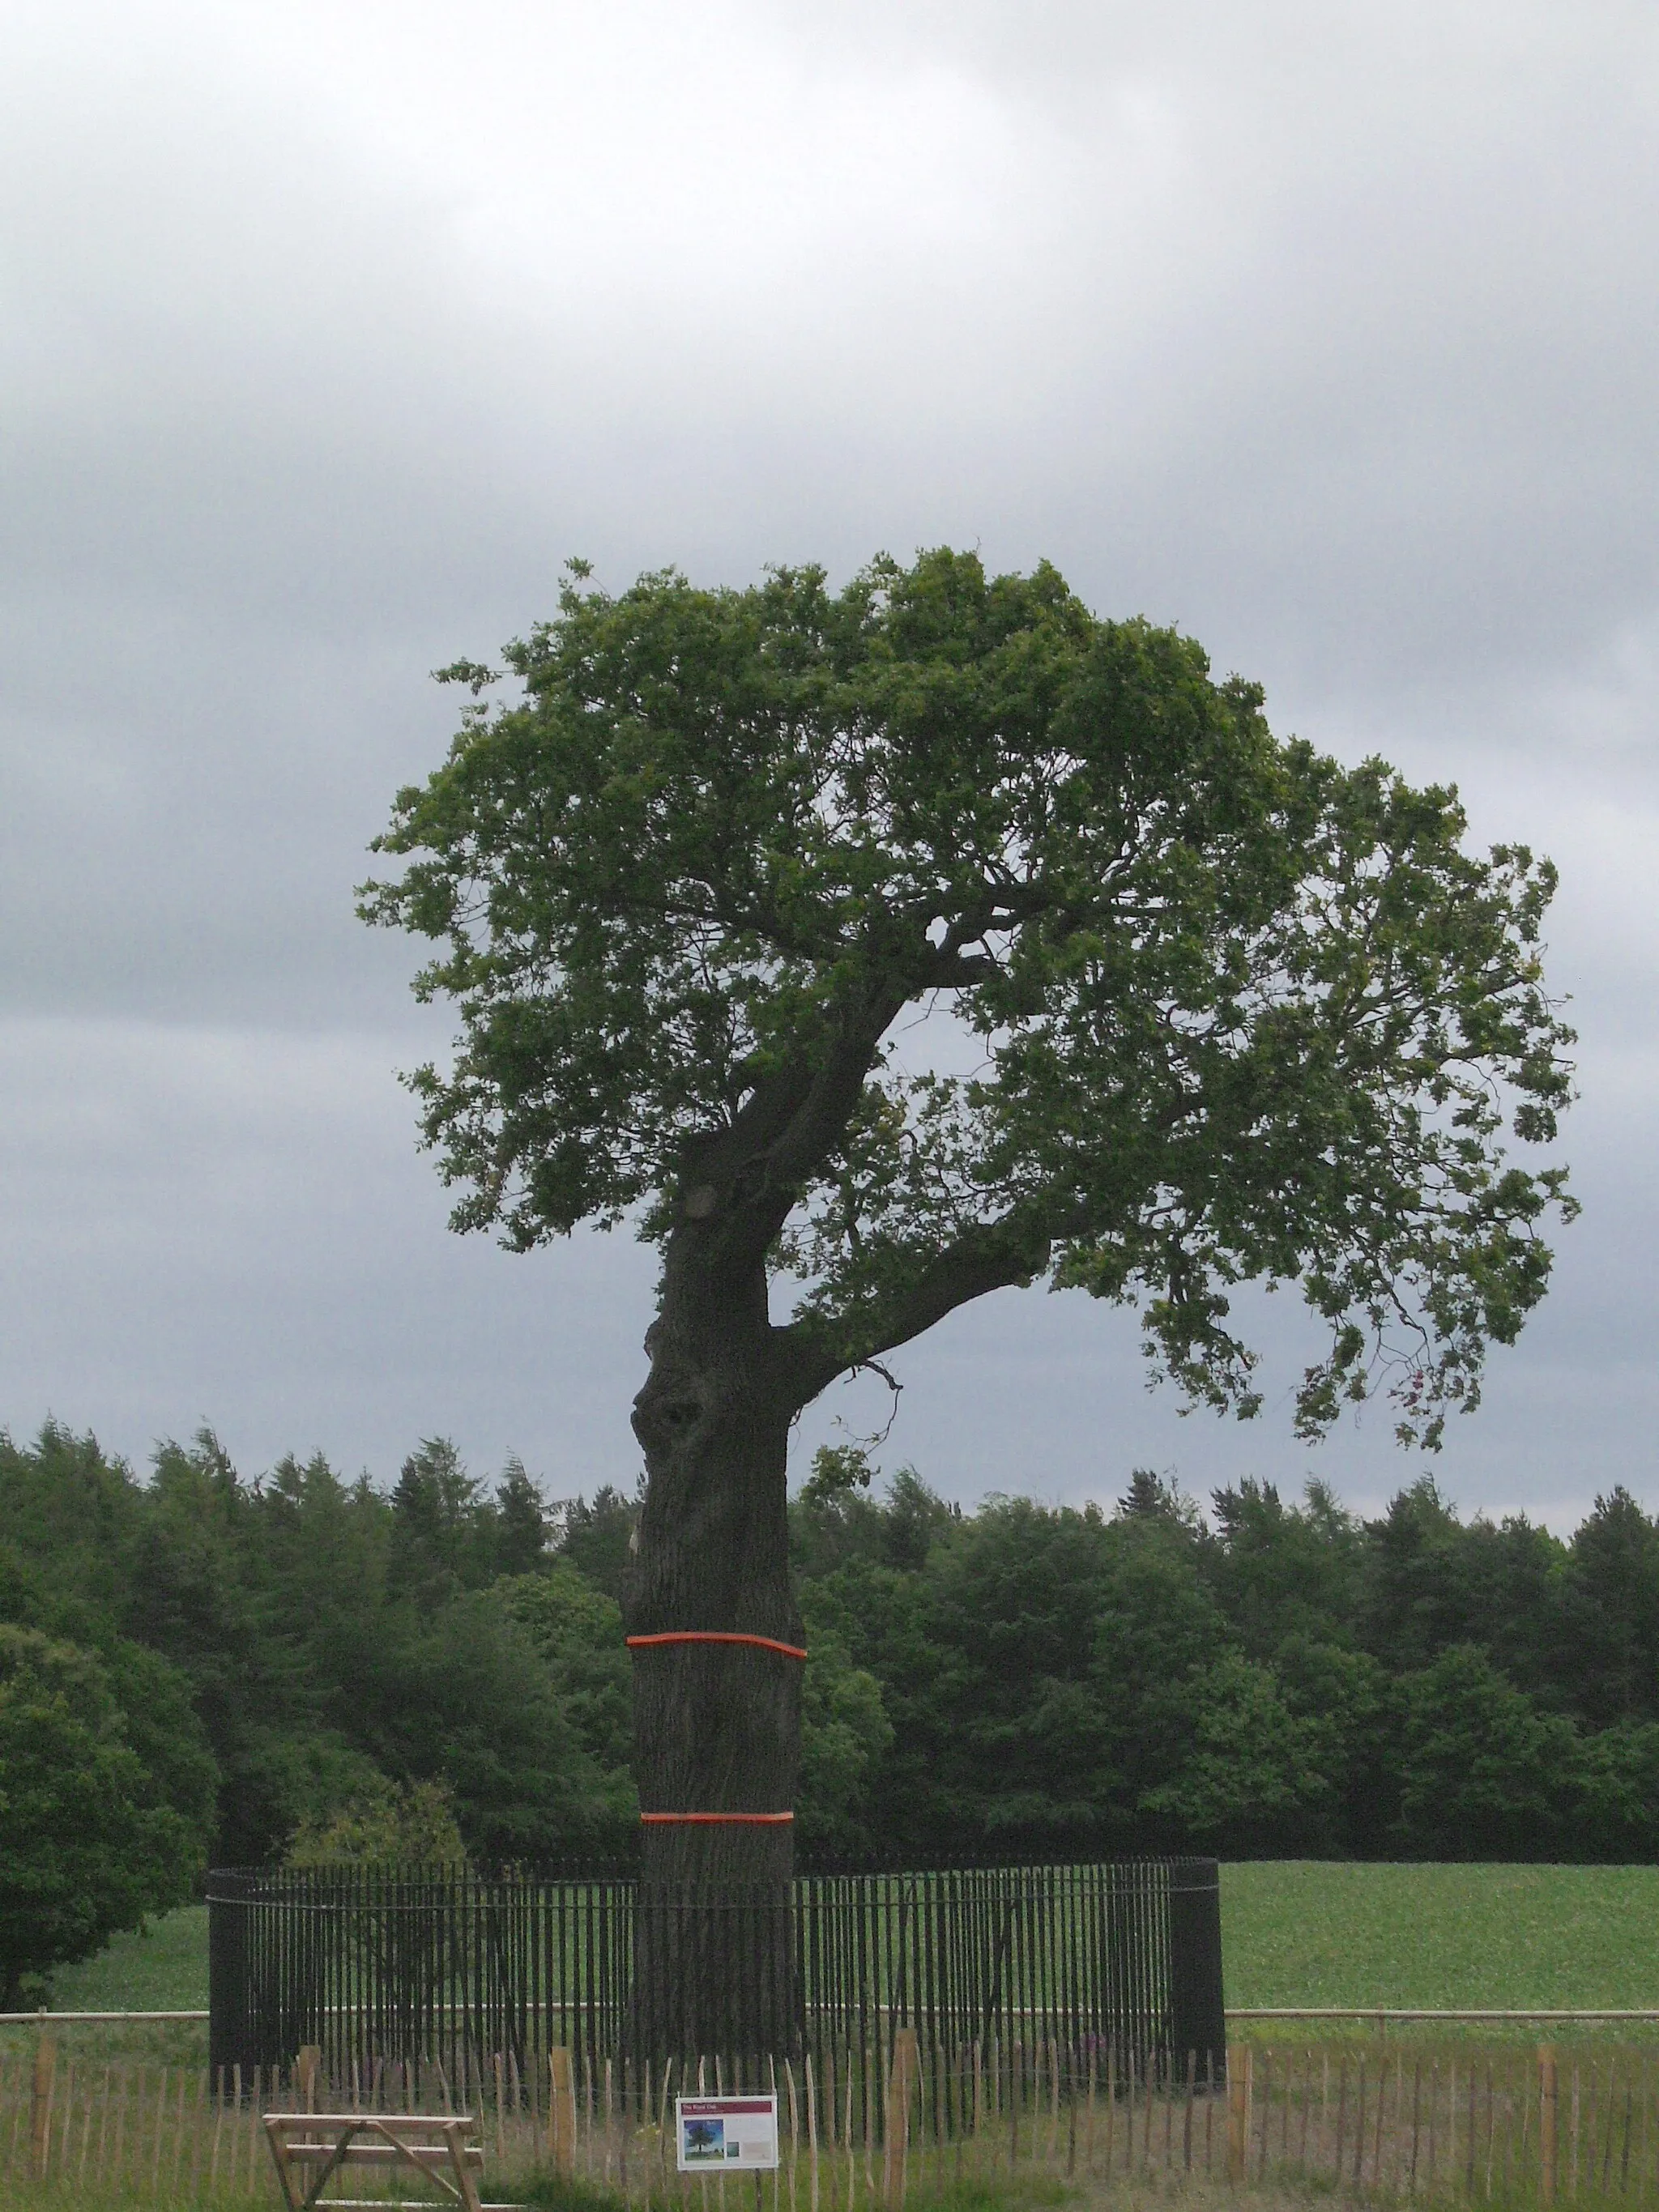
{"type": "Point", "coordinates": [753, 1820]}
{"type": "Point", "coordinates": [715, 1635]}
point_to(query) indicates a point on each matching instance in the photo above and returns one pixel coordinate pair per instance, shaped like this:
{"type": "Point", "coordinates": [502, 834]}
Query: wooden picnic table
{"type": "Point", "coordinates": [436, 2145]}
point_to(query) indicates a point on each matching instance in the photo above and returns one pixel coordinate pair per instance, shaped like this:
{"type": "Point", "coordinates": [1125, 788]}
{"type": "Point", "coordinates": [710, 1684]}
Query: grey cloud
{"type": "Point", "coordinates": [326, 332]}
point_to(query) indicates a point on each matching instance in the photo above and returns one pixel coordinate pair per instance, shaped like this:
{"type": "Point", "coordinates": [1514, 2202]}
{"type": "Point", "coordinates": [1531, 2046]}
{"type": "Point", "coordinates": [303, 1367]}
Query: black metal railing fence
{"type": "Point", "coordinates": [449, 1966]}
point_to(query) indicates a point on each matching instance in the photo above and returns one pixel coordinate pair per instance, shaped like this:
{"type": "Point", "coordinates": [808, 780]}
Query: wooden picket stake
{"type": "Point", "coordinates": [663, 2129]}
{"type": "Point", "coordinates": [160, 2130]}
{"type": "Point", "coordinates": [873, 2061]}
{"type": "Point", "coordinates": [610, 2120]}
{"type": "Point", "coordinates": [67, 2103]}
{"type": "Point", "coordinates": [1240, 2061]}
{"type": "Point", "coordinates": [1089, 2129]}
{"type": "Point", "coordinates": [45, 2069]}
{"type": "Point", "coordinates": [795, 2130]}
{"type": "Point", "coordinates": [86, 2132]}
{"type": "Point", "coordinates": [17, 2128]}
{"type": "Point", "coordinates": [197, 2138]}
{"type": "Point", "coordinates": [812, 2121]}
{"type": "Point", "coordinates": [562, 2110]}
{"type": "Point", "coordinates": [254, 2131]}
{"type": "Point", "coordinates": [1546, 2113]}
{"type": "Point", "coordinates": [902, 2074]}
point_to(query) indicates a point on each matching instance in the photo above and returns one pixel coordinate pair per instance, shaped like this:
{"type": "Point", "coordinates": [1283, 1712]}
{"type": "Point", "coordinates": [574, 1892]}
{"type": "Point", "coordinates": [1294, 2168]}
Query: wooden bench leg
{"type": "Point", "coordinates": [330, 2167]}
{"type": "Point", "coordinates": [466, 2186]}
{"type": "Point", "coordinates": [279, 2155]}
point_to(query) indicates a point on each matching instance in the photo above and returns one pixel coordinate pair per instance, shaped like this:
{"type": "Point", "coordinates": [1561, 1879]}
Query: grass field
{"type": "Point", "coordinates": [1308, 1932]}
{"type": "Point", "coordinates": [1294, 1932]}
{"type": "Point", "coordinates": [165, 1970]}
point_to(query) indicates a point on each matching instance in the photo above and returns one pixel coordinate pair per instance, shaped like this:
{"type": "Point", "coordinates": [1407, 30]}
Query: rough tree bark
{"type": "Point", "coordinates": [716, 1726]}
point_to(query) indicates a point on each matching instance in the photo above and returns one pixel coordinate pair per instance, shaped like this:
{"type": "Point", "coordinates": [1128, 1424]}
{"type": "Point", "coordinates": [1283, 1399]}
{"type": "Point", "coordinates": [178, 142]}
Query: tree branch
{"type": "Point", "coordinates": [743, 1182]}
{"type": "Point", "coordinates": [994, 1256]}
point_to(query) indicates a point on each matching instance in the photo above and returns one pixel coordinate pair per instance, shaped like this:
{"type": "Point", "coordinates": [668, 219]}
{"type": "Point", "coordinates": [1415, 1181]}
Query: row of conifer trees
{"type": "Point", "coordinates": [198, 1665]}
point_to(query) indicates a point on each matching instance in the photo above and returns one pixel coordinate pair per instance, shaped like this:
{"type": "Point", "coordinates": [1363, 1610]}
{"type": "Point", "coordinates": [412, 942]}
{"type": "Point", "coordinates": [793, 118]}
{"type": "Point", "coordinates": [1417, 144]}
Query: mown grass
{"type": "Point", "coordinates": [1311, 1932]}
{"type": "Point", "coordinates": [1141, 2196]}
{"type": "Point", "coordinates": [53, 2195]}
{"type": "Point", "coordinates": [549, 2191]}
{"type": "Point", "coordinates": [163, 1970]}
{"type": "Point", "coordinates": [1002, 2194]}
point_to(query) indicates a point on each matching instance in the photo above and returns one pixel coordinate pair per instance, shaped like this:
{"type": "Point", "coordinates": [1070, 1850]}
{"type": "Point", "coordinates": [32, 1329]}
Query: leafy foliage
{"type": "Point", "coordinates": [845, 1735]}
{"type": "Point", "coordinates": [91, 1845]}
{"type": "Point", "coordinates": [1233, 1010]}
{"type": "Point", "coordinates": [576, 1628]}
{"type": "Point", "coordinates": [1264, 1676]}
{"type": "Point", "coordinates": [386, 1824]}
{"type": "Point", "coordinates": [1066, 1683]}
{"type": "Point", "coordinates": [296, 1651]}
{"type": "Point", "coordinates": [598, 1537]}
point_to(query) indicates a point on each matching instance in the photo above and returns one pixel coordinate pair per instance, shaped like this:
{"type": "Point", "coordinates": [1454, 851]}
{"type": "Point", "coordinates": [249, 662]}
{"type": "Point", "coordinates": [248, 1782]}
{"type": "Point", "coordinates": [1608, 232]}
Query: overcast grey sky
{"type": "Point", "coordinates": [327, 332]}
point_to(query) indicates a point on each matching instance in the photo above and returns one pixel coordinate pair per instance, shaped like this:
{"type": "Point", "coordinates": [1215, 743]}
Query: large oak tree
{"type": "Point", "coordinates": [1207, 1007]}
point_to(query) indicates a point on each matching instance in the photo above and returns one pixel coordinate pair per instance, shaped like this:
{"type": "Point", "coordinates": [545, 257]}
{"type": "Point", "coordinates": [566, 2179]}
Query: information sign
{"type": "Point", "coordinates": [732, 2134]}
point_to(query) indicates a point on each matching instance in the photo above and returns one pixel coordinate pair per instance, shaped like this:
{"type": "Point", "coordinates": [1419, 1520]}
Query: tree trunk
{"type": "Point", "coordinates": [716, 1725]}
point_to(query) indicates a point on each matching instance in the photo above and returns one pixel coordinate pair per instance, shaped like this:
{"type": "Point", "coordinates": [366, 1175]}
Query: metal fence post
{"type": "Point", "coordinates": [1197, 2020]}
{"type": "Point", "coordinates": [229, 1912]}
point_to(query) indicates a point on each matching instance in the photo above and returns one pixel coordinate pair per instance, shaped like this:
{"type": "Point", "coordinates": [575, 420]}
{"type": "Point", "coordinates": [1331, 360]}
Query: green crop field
{"type": "Point", "coordinates": [1308, 1932]}
{"type": "Point", "coordinates": [1295, 1932]}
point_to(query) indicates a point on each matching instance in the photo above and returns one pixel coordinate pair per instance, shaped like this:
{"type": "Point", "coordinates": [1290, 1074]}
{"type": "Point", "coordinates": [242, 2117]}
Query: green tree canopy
{"type": "Point", "coordinates": [1237, 1010]}
{"type": "Point", "coordinates": [521, 1530]}
{"type": "Point", "coordinates": [576, 1627]}
{"type": "Point", "coordinates": [1014, 1680]}
{"type": "Point", "coordinates": [91, 1842]}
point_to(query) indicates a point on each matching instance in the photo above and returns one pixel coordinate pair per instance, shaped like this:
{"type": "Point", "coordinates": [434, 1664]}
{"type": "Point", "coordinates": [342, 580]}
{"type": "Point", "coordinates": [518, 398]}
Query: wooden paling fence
{"type": "Point", "coordinates": [1447, 2122]}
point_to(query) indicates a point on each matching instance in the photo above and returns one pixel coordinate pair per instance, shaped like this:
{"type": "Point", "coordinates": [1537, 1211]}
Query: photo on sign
{"type": "Point", "coordinates": [705, 2139]}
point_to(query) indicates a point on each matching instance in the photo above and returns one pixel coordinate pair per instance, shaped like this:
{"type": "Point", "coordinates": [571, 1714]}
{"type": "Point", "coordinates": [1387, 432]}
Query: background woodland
{"type": "Point", "coordinates": [197, 1666]}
